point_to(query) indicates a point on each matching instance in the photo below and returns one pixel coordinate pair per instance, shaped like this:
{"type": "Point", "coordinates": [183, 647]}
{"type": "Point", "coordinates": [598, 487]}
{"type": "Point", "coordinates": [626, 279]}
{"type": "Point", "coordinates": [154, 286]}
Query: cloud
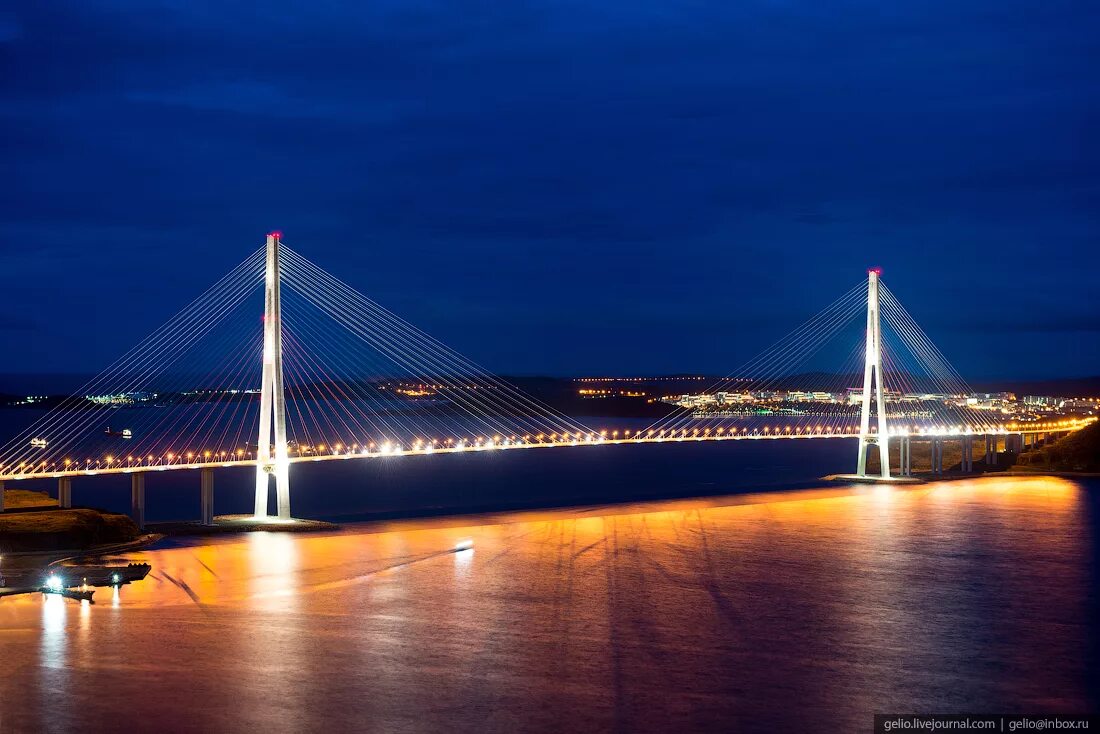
{"type": "Point", "coordinates": [15, 323]}
{"type": "Point", "coordinates": [700, 158]}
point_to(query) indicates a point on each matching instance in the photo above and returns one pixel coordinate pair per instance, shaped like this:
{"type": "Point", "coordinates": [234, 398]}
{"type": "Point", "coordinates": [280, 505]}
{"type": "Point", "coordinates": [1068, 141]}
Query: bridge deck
{"type": "Point", "coordinates": [124, 467]}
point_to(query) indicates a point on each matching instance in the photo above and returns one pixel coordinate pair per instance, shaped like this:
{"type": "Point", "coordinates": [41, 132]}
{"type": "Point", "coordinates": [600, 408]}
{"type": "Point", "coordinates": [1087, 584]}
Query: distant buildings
{"type": "Point", "coordinates": [1030, 407]}
{"type": "Point", "coordinates": [589, 393]}
{"type": "Point", "coordinates": [30, 400]}
{"type": "Point", "coordinates": [855, 395]}
{"type": "Point", "coordinates": [122, 398]}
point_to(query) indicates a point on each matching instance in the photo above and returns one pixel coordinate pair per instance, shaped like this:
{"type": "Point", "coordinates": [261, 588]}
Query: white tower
{"type": "Point", "coordinates": [873, 363]}
{"type": "Point", "coordinates": [271, 456]}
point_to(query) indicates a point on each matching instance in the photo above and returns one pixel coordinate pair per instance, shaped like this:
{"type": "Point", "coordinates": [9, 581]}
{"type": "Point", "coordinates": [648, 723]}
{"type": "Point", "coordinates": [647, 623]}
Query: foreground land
{"type": "Point", "coordinates": [1076, 452]}
{"type": "Point", "coordinates": [21, 499]}
{"type": "Point", "coordinates": [36, 525]}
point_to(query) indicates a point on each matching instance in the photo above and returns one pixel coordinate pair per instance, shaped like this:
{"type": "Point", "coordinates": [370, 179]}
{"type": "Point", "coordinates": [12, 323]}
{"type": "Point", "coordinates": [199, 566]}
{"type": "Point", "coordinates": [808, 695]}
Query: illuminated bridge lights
{"type": "Point", "coordinates": [342, 449]}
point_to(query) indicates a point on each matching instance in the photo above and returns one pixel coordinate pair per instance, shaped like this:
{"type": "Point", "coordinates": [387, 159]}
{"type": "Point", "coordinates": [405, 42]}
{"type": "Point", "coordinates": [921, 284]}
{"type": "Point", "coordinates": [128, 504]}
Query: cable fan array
{"type": "Point", "coordinates": [359, 380]}
{"type": "Point", "coordinates": [790, 389]}
{"type": "Point", "coordinates": [355, 369]}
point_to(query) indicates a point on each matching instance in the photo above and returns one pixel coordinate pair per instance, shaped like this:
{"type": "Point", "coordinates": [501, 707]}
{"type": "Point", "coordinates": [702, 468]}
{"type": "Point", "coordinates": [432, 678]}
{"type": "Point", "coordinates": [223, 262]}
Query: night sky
{"type": "Point", "coordinates": [560, 187]}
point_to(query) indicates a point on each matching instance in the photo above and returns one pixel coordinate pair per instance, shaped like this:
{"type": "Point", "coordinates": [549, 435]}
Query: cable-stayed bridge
{"type": "Point", "coordinates": [329, 374]}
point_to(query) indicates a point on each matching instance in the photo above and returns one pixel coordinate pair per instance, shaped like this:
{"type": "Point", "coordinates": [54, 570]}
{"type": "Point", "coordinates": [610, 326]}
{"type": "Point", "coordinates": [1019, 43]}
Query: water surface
{"type": "Point", "coordinates": [764, 612]}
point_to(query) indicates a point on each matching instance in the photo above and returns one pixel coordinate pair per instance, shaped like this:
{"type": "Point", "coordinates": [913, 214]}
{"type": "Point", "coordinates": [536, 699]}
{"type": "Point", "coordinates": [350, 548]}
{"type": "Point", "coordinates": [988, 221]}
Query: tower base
{"type": "Point", "coordinates": [871, 479]}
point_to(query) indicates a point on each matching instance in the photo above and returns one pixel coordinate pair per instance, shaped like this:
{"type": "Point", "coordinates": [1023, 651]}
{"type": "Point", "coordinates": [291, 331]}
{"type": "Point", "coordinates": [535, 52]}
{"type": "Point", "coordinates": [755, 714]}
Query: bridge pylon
{"type": "Point", "coordinates": [872, 363]}
{"type": "Point", "coordinates": [272, 458]}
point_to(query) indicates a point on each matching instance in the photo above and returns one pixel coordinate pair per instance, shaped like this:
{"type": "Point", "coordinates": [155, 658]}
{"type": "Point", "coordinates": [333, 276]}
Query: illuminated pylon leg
{"type": "Point", "coordinates": [271, 455]}
{"type": "Point", "coordinates": [873, 364]}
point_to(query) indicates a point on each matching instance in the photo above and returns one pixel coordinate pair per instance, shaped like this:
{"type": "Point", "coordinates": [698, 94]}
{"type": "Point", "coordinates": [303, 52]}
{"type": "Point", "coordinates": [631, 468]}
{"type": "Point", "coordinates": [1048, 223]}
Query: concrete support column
{"type": "Point", "coordinates": [1, 496]}
{"type": "Point", "coordinates": [137, 499]}
{"type": "Point", "coordinates": [207, 490]}
{"type": "Point", "coordinates": [65, 492]}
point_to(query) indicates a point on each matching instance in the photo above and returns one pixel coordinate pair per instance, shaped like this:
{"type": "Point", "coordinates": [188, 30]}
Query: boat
{"type": "Point", "coordinates": [78, 594]}
{"type": "Point", "coordinates": [124, 433]}
{"type": "Point", "coordinates": [108, 575]}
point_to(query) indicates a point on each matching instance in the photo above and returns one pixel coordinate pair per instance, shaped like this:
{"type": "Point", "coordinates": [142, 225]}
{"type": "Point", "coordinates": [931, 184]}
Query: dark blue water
{"type": "Point", "coordinates": [792, 611]}
{"type": "Point", "coordinates": [480, 481]}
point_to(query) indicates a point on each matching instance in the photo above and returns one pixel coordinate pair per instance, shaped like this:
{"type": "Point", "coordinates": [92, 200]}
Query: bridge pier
{"type": "Point", "coordinates": [1, 496]}
{"type": "Point", "coordinates": [65, 492]}
{"type": "Point", "coordinates": [967, 463]}
{"type": "Point", "coordinates": [137, 499]}
{"type": "Point", "coordinates": [905, 456]}
{"type": "Point", "coordinates": [990, 450]}
{"type": "Point", "coordinates": [206, 483]}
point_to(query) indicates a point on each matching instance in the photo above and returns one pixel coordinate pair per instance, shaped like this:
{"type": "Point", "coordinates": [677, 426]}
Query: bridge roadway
{"type": "Point", "coordinates": [604, 438]}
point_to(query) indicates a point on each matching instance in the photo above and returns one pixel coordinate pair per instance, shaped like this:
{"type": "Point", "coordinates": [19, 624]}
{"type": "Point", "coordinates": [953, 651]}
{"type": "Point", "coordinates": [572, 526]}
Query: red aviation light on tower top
{"type": "Point", "coordinates": [276, 234]}
{"type": "Point", "coordinates": [876, 270]}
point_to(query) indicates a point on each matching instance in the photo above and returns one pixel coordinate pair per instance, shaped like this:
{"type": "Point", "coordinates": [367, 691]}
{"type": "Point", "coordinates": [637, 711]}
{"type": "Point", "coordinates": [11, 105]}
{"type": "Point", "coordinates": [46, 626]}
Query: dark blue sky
{"type": "Point", "coordinates": [560, 187]}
